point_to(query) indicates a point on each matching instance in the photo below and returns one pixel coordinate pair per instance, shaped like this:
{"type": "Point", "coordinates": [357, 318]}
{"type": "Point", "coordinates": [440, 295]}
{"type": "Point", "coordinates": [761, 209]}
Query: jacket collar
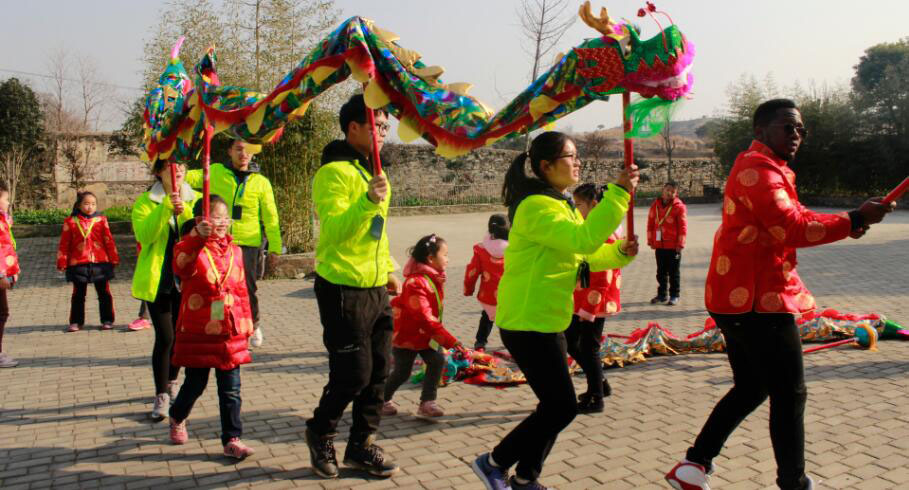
{"type": "Point", "coordinates": [342, 151]}
{"type": "Point", "coordinates": [414, 268]}
{"type": "Point", "coordinates": [544, 189]}
{"type": "Point", "coordinates": [765, 150]}
{"type": "Point", "coordinates": [157, 194]}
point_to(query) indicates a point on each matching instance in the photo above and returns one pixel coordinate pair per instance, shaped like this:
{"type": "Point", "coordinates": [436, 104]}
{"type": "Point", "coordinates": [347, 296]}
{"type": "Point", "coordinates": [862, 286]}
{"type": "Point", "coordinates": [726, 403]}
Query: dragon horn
{"type": "Point", "coordinates": [175, 52]}
{"type": "Point", "coordinates": [603, 24]}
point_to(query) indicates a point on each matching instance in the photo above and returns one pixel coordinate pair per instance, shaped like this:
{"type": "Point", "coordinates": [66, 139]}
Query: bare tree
{"type": "Point", "coordinates": [58, 67]}
{"type": "Point", "coordinates": [13, 162]}
{"type": "Point", "coordinates": [669, 144]}
{"type": "Point", "coordinates": [93, 92]}
{"type": "Point", "coordinates": [594, 145]}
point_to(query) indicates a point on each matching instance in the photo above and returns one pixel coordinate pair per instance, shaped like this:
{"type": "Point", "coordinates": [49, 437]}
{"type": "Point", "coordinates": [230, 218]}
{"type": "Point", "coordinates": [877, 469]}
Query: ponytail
{"type": "Point", "coordinates": [518, 185]}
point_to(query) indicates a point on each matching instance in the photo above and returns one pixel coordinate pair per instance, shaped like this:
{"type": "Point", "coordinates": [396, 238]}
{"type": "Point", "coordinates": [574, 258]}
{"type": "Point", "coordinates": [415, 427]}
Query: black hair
{"type": "Point", "coordinates": [354, 110]}
{"type": "Point", "coordinates": [159, 165]}
{"type": "Point", "coordinates": [80, 196]}
{"type": "Point", "coordinates": [589, 192]}
{"type": "Point", "coordinates": [3, 187]}
{"type": "Point", "coordinates": [766, 112]}
{"type": "Point", "coordinates": [518, 185]}
{"type": "Point", "coordinates": [672, 184]}
{"type": "Point", "coordinates": [199, 209]}
{"type": "Point", "coordinates": [426, 247]}
{"type": "Point", "coordinates": [498, 226]}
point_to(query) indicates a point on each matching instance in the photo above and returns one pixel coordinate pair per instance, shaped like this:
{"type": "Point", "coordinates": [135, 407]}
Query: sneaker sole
{"type": "Point", "coordinates": [479, 472]}
{"type": "Point", "coordinates": [678, 486]}
{"type": "Point", "coordinates": [428, 418]}
{"type": "Point", "coordinates": [362, 467]}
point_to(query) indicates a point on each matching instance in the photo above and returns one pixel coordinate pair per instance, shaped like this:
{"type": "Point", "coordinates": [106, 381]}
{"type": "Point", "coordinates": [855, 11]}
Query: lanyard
{"type": "Point", "coordinates": [361, 173]}
{"type": "Point", "coordinates": [87, 232]}
{"type": "Point", "coordinates": [220, 282]}
{"type": "Point", "coordinates": [438, 299]}
{"type": "Point", "coordinates": [660, 222]}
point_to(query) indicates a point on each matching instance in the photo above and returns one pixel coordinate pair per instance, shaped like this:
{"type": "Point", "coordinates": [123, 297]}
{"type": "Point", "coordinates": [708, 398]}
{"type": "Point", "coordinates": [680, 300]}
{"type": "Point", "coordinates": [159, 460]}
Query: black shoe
{"type": "Point", "coordinates": [369, 457]}
{"type": "Point", "coordinates": [607, 390]}
{"type": "Point", "coordinates": [322, 455]}
{"type": "Point", "coordinates": [657, 299]}
{"type": "Point", "coordinates": [588, 403]}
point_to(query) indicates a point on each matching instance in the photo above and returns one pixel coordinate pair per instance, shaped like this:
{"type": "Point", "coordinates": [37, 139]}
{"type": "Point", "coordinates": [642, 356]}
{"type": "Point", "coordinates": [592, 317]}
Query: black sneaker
{"type": "Point", "coordinates": [657, 299]}
{"type": "Point", "coordinates": [369, 457]}
{"type": "Point", "coordinates": [588, 403]}
{"type": "Point", "coordinates": [322, 455]}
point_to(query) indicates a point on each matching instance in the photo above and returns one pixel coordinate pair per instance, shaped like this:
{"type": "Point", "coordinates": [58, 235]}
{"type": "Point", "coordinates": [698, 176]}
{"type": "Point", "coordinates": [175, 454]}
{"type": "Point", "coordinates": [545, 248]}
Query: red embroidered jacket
{"type": "Point", "coordinates": [9, 261]}
{"type": "Point", "coordinates": [487, 265]}
{"type": "Point", "coordinates": [418, 311]}
{"type": "Point", "coordinates": [202, 340]}
{"type": "Point", "coordinates": [86, 241]}
{"type": "Point", "coordinates": [753, 266]}
{"type": "Point", "coordinates": [602, 297]}
{"type": "Point", "coordinates": [671, 221]}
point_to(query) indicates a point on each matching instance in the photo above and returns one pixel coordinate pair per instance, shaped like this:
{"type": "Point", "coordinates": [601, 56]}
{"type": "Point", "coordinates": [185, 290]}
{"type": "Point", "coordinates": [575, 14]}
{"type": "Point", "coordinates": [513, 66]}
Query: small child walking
{"type": "Point", "coordinates": [214, 324]}
{"type": "Point", "coordinates": [88, 254]}
{"type": "Point", "coordinates": [487, 265]}
{"type": "Point", "coordinates": [592, 304]}
{"type": "Point", "coordinates": [9, 266]}
{"type": "Point", "coordinates": [418, 325]}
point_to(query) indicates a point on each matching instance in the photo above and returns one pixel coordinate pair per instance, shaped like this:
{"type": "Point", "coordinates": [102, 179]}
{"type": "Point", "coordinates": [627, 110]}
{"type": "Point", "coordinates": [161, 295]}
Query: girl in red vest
{"type": "Point", "coordinates": [9, 267]}
{"type": "Point", "coordinates": [214, 323]}
{"type": "Point", "coordinates": [418, 324]}
{"type": "Point", "coordinates": [487, 265]}
{"type": "Point", "coordinates": [592, 304]}
{"type": "Point", "coordinates": [88, 254]}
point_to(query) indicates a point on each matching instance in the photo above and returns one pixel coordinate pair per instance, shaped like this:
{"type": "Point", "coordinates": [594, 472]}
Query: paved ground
{"type": "Point", "coordinates": [74, 413]}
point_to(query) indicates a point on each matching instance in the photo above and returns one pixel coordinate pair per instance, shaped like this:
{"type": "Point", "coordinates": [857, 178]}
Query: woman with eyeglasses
{"type": "Point", "coordinates": [157, 217]}
{"type": "Point", "coordinates": [550, 248]}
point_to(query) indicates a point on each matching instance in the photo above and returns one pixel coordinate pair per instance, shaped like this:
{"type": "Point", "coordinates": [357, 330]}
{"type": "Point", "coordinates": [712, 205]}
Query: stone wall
{"type": "Point", "coordinates": [116, 179]}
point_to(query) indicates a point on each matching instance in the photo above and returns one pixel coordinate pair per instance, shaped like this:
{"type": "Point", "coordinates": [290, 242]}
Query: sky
{"type": "Point", "coordinates": [479, 41]}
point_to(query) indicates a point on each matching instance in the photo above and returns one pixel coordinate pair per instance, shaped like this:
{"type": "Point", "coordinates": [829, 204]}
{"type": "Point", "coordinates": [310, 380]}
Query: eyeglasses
{"type": "Point", "coordinates": [791, 129]}
{"type": "Point", "coordinates": [574, 157]}
{"type": "Point", "coordinates": [220, 221]}
{"type": "Point", "coordinates": [383, 127]}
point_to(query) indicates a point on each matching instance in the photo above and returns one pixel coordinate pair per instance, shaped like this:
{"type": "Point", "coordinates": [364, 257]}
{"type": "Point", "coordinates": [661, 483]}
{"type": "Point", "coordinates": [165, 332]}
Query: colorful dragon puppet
{"type": "Point", "coordinates": [396, 79]}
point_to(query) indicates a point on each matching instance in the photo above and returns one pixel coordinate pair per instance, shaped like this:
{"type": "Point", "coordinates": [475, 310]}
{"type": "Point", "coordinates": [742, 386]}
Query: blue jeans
{"type": "Point", "coordinates": [194, 383]}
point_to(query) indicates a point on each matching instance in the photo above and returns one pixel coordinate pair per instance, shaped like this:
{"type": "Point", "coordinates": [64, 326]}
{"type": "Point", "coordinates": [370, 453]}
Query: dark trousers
{"type": "Point", "coordinates": [541, 357]}
{"type": "Point", "coordinates": [250, 269]}
{"type": "Point", "coordinates": [404, 358]}
{"type": "Point", "coordinates": [765, 353]}
{"type": "Point", "coordinates": [4, 315]}
{"type": "Point", "coordinates": [143, 309]}
{"type": "Point", "coordinates": [77, 302]}
{"type": "Point", "coordinates": [163, 313]}
{"type": "Point", "coordinates": [483, 330]}
{"type": "Point", "coordinates": [583, 339]}
{"type": "Point", "coordinates": [194, 382]}
{"type": "Point", "coordinates": [668, 262]}
{"type": "Point", "coordinates": [356, 331]}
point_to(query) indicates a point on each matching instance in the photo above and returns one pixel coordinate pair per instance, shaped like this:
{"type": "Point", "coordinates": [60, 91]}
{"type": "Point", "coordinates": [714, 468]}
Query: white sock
{"type": "Point", "coordinates": [492, 461]}
{"type": "Point", "coordinates": [520, 480]}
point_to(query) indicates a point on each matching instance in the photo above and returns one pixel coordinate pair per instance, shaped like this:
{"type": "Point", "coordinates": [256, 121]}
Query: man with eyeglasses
{"type": "Point", "coordinates": [353, 282]}
{"type": "Point", "coordinates": [753, 293]}
{"type": "Point", "coordinates": [251, 202]}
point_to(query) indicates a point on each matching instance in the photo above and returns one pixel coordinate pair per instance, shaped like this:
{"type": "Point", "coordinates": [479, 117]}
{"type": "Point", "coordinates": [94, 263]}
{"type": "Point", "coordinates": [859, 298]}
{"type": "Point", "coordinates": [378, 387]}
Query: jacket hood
{"type": "Point", "coordinates": [495, 246]}
{"type": "Point", "coordinates": [342, 151]}
{"type": "Point", "coordinates": [414, 268]}
{"type": "Point", "coordinates": [538, 187]}
{"type": "Point", "coordinates": [157, 194]}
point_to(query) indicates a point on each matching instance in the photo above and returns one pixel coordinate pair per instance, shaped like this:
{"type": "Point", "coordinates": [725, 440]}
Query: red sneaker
{"type": "Point", "coordinates": [430, 409]}
{"type": "Point", "coordinates": [74, 327]}
{"type": "Point", "coordinates": [237, 450]}
{"type": "Point", "coordinates": [139, 324]}
{"type": "Point", "coordinates": [688, 476]}
{"type": "Point", "coordinates": [389, 408]}
{"type": "Point", "coordinates": [178, 434]}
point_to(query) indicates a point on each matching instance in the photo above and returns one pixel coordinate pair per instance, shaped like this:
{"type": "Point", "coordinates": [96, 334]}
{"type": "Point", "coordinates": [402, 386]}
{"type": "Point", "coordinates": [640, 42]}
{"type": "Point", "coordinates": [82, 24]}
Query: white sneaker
{"type": "Point", "coordinates": [688, 476]}
{"type": "Point", "coordinates": [257, 337]}
{"type": "Point", "coordinates": [6, 361]}
{"type": "Point", "coordinates": [162, 403]}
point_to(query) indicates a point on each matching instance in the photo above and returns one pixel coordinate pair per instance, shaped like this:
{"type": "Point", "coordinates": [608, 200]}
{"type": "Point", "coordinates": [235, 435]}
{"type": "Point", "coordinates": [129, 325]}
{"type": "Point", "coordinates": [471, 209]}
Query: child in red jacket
{"type": "Point", "coordinates": [667, 228]}
{"type": "Point", "coordinates": [9, 267]}
{"type": "Point", "coordinates": [88, 254]}
{"type": "Point", "coordinates": [214, 325]}
{"type": "Point", "coordinates": [487, 265]}
{"type": "Point", "coordinates": [418, 324]}
{"type": "Point", "coordinates": [592, 304]}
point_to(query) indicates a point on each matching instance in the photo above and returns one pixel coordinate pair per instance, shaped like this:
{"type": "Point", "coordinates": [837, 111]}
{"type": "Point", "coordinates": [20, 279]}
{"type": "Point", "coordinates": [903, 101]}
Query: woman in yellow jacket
{"type": "Point", "coordinates": [551, 247]}
{"type": "Point", "coordinates": [157, 217]}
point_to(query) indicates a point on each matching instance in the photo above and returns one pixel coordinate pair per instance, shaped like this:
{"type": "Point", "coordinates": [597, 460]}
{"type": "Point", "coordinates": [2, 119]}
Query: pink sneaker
{"type": "Point", "coordinates": [107, 326]}
{"type": "Point", "coordinates": [139, 324]}
{"type": "Point", "coordinates": [237, 450]}
{"type": "Point", "coordinates": [688, 476]}
{"type": "Point", "coordinates": [430, 409]}
{"type": "Point", "coordinates": [74, 327]}
{"type": "Point", "coordinates": [389, 408]}
{"type": "Point", "coordinates": [178, 434]}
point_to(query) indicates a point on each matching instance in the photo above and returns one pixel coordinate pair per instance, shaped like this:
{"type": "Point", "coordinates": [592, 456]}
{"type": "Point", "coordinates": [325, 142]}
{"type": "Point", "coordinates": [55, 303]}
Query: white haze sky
{"type": "Point", "coordinates": [479, 41]}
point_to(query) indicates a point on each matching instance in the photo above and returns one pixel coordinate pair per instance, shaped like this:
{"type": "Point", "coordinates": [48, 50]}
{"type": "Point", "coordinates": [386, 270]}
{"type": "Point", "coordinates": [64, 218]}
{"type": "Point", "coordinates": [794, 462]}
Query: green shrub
{"type": "Point", "coordinates": [56, 216]}
{"type": "Point", "coordinates": [118, 213]}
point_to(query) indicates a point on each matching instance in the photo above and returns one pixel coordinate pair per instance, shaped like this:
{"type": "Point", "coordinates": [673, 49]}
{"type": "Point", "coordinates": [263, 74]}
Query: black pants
{"type": "Point", "coordinates": [77, 302]}
{"type": "Point", "coordinates": [483, 330]}
{"type": "Point", "coordinates": [404, 358]}
{"type": "Point", "coordinates": [251, 268]}
{"type": "Point", "coordinates": [357, 329]}
{"type": "Point", "coordinates": [765, 353]}
{"type": "Point", "coordinates": [143, 309]}
{"type": "Point", "coordinates": [163, 313]}
{"type": "Point", "coordinates": [4, 315]}
{"type": "Point", "coordinates": [583, 339]}
{"type": "Point", "coordinates": [541, 357]}
{"type": "Point", "coordinates": [194, 382]}
{"type": "Point", "coordinates": [668, 262]}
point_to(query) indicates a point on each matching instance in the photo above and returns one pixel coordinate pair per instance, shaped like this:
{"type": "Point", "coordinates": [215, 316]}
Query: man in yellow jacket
{"type": "Point", "coordinates": [354, 279]}
{"type": "Point", "coordinates": [251, 201]}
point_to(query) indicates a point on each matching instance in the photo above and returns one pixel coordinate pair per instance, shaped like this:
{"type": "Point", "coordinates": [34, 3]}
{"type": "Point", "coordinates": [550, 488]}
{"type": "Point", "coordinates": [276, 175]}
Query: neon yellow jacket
{"type": "Point", "coordinates": [257, 199]}
{"type": "Point", "coordinates": [151, 219]}
{"type": "Point", "coordinates": [346, 253]}
{"type": "Point", "coordinates": [546, 245]}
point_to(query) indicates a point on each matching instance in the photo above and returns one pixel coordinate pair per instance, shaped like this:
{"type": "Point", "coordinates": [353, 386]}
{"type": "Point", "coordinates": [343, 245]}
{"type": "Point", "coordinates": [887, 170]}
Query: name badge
{"type": "Point", "coordinates": [659, 235]}
{"type": "Point", "coordinates": [376, 227]}
{"type": "Point", "coordinates": [217, 309]}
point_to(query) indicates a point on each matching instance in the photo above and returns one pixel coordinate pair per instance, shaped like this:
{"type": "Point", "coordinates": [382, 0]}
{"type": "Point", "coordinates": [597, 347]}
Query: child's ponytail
{"type": "Point", "coordinates": [498, 227]}
{"type": "Point", "coordinates": [426, 247]}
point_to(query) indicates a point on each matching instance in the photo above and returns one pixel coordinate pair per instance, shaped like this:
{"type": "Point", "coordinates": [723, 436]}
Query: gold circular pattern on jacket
{"type": "Point", "coordinates": [237, 274]}
{"type": "Point", "coordinates": [781, 197]}
{"type": "Point", "coordinates": [805, 301]}
{"type": "Point", "coordinates": [771, 301]}
{"type": "Point", "coordinates": [787, 270]}
{"type": "Point", "coordinates": [609, 275]}
{"type": "Point", "coordinates": [612, 307]}
{"type": "Point", "coordinates": [228, 299]}
{"type": "Point", "coordinates": [594, 297]}
{"type": "Point", "coordinates": [414, 303]}
{"type": "Point", "coordinates": [213, 328]}
{"type": "Point", "coordinates": [723, 264]}
{"type": "Point", "coordinates": [729, 206]}
{"type": "Point", "coordinates": [10, 260]}
{"type": "Point", "coordinates": [618, 280]}
{"type": "Point", "coordinates": [778, 232]}
{"type": "Point", "coordinates": [815, 231]}
{"type": "Point", "coordinates": [195, 302]}
{"type": "Point", "coordinates": [748, 235]}
{"type": "Point", "coordinates": [738, 296]}
{"type": "Point", "coordinates": [182, 260]}
{"type": "Point", "coordinates": [748, 177]}
{"type": "Point", "coordinates": [747, 202]}
{"type": "Point", "coordinates": [486, 276]}
{"type": "Point", "coordinates": [212, 278]}
{"type": "Point", "coordinates": [396, 312]}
